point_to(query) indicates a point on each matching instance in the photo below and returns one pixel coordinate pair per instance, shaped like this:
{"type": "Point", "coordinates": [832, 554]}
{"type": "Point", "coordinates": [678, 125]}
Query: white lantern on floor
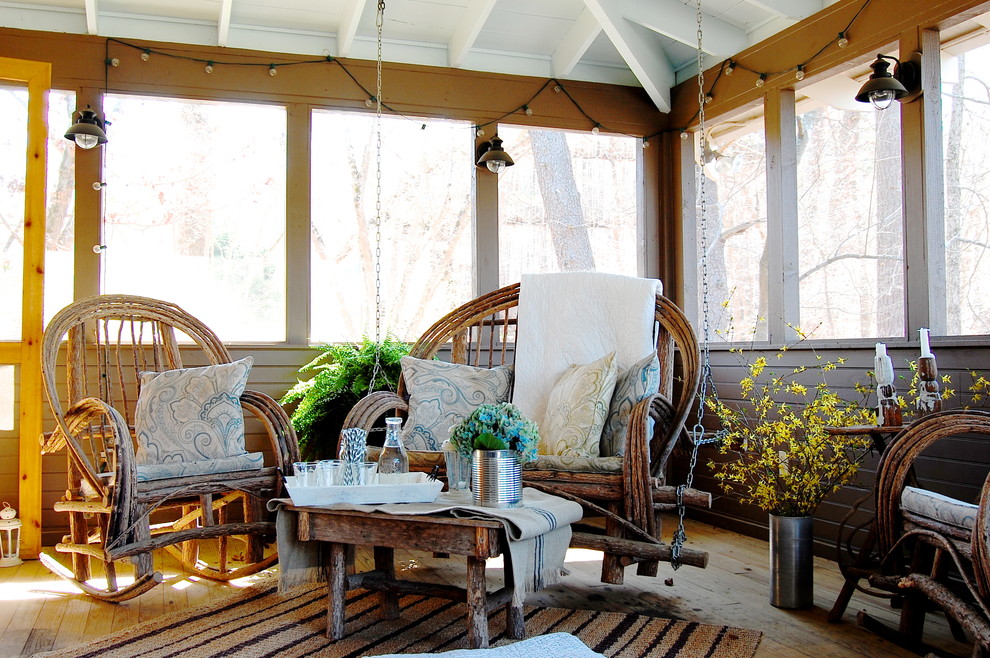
{"type": "Point", "coordinates": [10, 537]}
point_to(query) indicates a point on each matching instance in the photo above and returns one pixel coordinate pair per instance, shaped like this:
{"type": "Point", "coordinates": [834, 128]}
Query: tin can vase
{"type": "Point", "coordinates": [792, 582]}
{"type": "Point", "coordinates": [497, 478]}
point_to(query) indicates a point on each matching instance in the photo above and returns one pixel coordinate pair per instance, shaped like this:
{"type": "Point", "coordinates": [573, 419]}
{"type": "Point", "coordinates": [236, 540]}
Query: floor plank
{"type": "Point", "coordinates": [39, 611]}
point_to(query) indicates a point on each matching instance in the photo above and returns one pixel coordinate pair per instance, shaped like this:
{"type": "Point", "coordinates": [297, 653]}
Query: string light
{"type": "Point", "coordinates": [731, 68]}
{"type": "Point", "coordinates": [557, 89]}
{"type": "Point", "coordinates": [762, 80]}
{"type": "Point", "coordinates": [708, 98]}
{"type": "Point", "coordinates": [684, 134]}
{"type": "Point", "coordinates": [527, 110]}
{"type": "Point", "coordinates": [596, 129]}
{"type": "Point", "coordinates": [370, 102]}
{"type": "Point", "coordinates": [843, 41]}
{"type": "Point", "coordinates": [800, 72]}
{"type": "Point", "coordinates": [146, 55]}
{"type": "Point", "coordinates": [646, 143]}
{"type": "Point", "coordinates": [272, 71]}
{"type": "Point", "coordinates": [480, 132]}
{"type": "Point", "coordinates": [114, 62]}
{"type": "Point", "coordinates": [209, 67]}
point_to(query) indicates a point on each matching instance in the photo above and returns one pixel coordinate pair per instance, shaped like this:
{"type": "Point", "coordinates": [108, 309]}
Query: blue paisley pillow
{"type": "Point", "coordinates": [442, 394]}
{"type": "Point", "coordinates": [192, 415]}
{"type": "Point", "coordinates": [637, 383]}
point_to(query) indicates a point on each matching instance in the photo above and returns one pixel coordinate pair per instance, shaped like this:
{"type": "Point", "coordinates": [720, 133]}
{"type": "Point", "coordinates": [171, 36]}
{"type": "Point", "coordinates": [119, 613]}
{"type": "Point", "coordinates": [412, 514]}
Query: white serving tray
{"type": "Point", "coordinates": [404, 488]}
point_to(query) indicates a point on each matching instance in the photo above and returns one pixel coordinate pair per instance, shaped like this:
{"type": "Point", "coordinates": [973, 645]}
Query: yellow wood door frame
{"type": "Point", "coordinates": [38, 77]}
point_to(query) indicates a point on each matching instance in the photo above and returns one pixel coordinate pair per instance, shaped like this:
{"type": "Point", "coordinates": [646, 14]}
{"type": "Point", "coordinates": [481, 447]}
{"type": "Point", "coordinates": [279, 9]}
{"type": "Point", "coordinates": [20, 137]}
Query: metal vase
{"type": "Point", "coordinates": [792, 583]}
{"type": "Point", "coordinates": [497, 478]}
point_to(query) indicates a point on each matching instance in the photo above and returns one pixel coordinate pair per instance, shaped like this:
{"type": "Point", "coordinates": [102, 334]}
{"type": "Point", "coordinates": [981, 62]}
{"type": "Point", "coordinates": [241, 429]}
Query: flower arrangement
{"type": "Point", "coordinates": [781, 458]}
{"type": "Point", "coordinates": [496, 427]}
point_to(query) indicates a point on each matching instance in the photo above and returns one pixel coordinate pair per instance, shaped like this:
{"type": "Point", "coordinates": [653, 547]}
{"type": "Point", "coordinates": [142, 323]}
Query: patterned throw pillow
{"type": "Point", "coordinates": [576, 409]}
{"type": "Point", "coordinates": [192, 414]}
{"type": "Point", "coordinates": [442, 394]}
{"type": "Point", "coordinates": [633, 386]}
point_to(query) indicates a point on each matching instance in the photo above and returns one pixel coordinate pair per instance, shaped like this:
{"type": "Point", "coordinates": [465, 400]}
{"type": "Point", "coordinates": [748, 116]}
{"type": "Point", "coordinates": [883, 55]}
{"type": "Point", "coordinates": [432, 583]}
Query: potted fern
{"type": "Point", "coordinates": [343, 375]}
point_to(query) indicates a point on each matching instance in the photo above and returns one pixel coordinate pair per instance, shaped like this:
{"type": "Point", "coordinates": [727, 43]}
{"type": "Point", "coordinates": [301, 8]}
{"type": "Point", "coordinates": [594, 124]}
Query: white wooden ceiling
{"type": "Point", "coordinates": [650, 43]}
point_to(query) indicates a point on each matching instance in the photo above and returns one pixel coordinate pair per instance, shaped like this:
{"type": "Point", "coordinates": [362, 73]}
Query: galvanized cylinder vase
{"type": "Point", "coordinates": [792, 583]}
{"type": "Point", "coordinates": [497, 478]}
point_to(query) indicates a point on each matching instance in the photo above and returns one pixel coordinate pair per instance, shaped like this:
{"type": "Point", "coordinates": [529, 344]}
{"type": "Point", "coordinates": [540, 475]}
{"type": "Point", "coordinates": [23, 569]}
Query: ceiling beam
{"type": "Point", "coordinates": [639, 48]}
{"type": "Point", "coordinates": [680, 22]}
{"type": "Point", "coordinates": [223, 22]}
{"type": "Point", "coordinates": [575, 43]}
{"type": "Point", "coordinates": [348, 26]}
{"type": "Point", "coordinates": [466, 33]}
{"type": "Point", "coordinates": [91, 14]}
{"type": "Point", "coordinates": [793, 9]}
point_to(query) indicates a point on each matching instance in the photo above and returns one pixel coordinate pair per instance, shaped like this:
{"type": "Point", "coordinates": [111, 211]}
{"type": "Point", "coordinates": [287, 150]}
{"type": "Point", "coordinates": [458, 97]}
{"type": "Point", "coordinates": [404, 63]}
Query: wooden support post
{"type": "Point", "coordinates": [477, 603]}
{"type": "Point", "coordinates": [337, 594]}
{"type": "Point", "coordinates": [385, 563]}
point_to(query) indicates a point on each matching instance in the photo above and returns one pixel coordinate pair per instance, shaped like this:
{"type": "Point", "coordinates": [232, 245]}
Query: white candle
{"type": "Point", "coordinates": [883, 368]}
{"type": "Point", "coordinates": [926, 350]}
{"type": "Point", "coordinates": [881, 349]}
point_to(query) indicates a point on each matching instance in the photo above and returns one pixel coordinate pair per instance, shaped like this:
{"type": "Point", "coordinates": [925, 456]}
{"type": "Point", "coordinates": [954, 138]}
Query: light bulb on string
{"type": "Point", "coordinates": [527, 110]}
{"type": "Point", "coordinates": [731, 68]}
{"type": "Point", "coordinates": [272, 71]}
{"type": "Point", "coordinates": [684, 134]}
{"type": "Point", "coordinates": [145, 55]}
{"type": "Point", "coordinates": [799, 75]}
{"type": "Point", "coordinates": [370, 102]}
{"type": "Point", "coordinates": [114, 62]}
{"type": "Point", "coordinates": [708, 98]}
{"type": "Point", "coordinates": [646, 143]}
{"type": "Point", "coordinates": [762, 80]}
{"type": "Point", "coordinates": [480, 132]}
{"type": "Point", "coordinates": [596, 129]}
{"type": "Point", "coordinates": [843, 41]}
{"type": "Point", "coordinates": [209, 67]}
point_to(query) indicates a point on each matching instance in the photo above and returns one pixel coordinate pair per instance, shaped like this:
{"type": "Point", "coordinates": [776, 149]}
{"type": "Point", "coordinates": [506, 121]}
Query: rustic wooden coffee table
{"type": "Point", "coordinates": [478, 539]}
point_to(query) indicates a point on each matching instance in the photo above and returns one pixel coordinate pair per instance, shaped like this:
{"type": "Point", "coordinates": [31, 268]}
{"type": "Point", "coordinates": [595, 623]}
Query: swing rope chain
{"type": "Point", "coordinates": [376, 370]}
{"type": "Point", "coordinates": [697, 434]}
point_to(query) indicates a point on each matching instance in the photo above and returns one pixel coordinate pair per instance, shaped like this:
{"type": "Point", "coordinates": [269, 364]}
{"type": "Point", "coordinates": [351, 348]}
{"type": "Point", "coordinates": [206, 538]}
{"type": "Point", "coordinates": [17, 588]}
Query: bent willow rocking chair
{"type": "Point", "coordinates": [156, 455]}
{"type": "Point", "coordinates": [628, 488]}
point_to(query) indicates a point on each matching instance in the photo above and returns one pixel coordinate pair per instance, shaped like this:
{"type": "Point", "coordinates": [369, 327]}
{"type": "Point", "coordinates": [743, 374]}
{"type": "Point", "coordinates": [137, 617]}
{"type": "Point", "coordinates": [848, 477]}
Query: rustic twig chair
{"type": "Point", "coordinates": [925, 536]}
{"type": "Point", "coordinates": [482, 333]}
{"type": "Point", "coordinates": [111, 341]}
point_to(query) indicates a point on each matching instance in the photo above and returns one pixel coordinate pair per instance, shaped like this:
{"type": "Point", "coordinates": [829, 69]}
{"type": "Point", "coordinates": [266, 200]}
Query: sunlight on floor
{"type": "Point", "coordinates": [582, 555]}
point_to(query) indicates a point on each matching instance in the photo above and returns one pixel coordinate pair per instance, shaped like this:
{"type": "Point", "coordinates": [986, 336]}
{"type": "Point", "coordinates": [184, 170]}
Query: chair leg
{"type": "Point", "coordinates": [912, 622]}
{"type": "Point", "coordinates": [612, 570]}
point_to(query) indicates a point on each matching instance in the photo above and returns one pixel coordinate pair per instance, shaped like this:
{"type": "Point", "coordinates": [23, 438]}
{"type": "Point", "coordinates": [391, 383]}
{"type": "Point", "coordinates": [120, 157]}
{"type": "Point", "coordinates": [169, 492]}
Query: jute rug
{"type": "Point", "coordinates": [261, 622]}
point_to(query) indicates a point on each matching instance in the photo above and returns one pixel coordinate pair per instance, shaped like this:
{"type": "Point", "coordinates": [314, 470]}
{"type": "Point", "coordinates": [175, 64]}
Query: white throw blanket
{"type": "Point", "coordinates": [576, 318]}
{"type": "Point", "coordinates": [554, 645]}
{"type": "Point", "coordinates": [539, 533]}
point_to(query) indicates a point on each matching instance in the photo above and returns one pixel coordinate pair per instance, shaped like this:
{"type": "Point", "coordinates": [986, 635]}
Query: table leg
{"type": "Point", "coordinates": [477, 596]}
{"type": "Point", "coordinates": [385, 563]}
{"type": "Point", "coordinates": [515, 623]}
{"type": "Point", "coordinates": [337, 594]}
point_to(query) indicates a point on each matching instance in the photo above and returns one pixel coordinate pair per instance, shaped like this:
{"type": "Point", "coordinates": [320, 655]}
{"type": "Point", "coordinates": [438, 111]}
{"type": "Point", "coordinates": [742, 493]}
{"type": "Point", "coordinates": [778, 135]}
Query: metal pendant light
{"type": "Point", "coordinates": [87, 132]}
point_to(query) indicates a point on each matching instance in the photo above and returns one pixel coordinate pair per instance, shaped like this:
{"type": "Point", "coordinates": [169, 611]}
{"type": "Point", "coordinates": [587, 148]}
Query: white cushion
{"type": "Point", "coordinates": [576, 409]}
{"type": "Point", "coordinates": [192, 415]}
{"type": "Point", "coordinates": [442, 394]}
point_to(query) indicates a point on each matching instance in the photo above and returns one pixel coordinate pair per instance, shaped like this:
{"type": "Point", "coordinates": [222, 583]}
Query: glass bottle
{"type": "Point", "coordinates": [393, 458]}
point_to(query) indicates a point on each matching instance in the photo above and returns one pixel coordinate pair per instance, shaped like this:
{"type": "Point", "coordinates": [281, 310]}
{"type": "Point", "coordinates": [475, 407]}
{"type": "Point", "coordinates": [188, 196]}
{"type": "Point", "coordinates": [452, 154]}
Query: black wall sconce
{"type": "Point", "coordinates": [491, 155]}
{"type": "Point", "coordinates": [884, 87]}
{"type": "Point", "coordinates": [87, 131]}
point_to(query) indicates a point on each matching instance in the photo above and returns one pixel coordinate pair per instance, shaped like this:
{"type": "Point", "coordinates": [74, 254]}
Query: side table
{"type": "Point", "coordinates": [477, 539]}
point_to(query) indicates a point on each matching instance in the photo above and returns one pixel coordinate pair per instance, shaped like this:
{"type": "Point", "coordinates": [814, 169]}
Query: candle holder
{"type": "Point", "coordinates": [929, 391]}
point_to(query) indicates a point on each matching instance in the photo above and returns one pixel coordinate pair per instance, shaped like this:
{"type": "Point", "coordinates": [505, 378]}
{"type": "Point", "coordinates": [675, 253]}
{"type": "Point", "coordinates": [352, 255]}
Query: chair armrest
{"type": "Point", "coordinates": [283, 439]}
{"type": "Point", "coordinates": [372, 407]}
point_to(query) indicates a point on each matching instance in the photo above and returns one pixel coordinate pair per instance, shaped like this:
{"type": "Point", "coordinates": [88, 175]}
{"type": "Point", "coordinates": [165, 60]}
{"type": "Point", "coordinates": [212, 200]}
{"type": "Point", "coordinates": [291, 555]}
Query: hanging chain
{"type": "Point", "coordinates": [697, 434]}
{"type": "Point", "coordinates": [379, 22]}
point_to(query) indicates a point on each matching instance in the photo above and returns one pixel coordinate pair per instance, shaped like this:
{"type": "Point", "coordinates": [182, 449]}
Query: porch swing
{"type": "Point", "coordinates": [626, 483]}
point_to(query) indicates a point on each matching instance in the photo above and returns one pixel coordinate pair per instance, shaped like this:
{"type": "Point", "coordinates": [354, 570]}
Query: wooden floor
{"type": "Point", "coordinates": [39, 612]}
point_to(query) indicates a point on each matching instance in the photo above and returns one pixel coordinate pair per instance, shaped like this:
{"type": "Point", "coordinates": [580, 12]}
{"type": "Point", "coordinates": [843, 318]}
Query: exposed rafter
{"type": "Point", "coordinates": [639, 47]}
{"type": "Point", "coordinates": [793, 9]}
{"type": "Point", "coordinates": [575, 43]}
{"type": "Point", "coordinates": [474, 18]}
{"type": "Point", "coordinates": [91, 14]}
{"type": "Point", "coordinates": [680, 22]}
{"type": "Point", "coordinates": [223, 22]}
{"type": "Point", "coordinates": [349, 20]}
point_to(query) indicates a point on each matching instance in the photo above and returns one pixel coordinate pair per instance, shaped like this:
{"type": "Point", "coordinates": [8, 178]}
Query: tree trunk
{"type": "Point", "coordinates": [561, 201]}
{"type": "Point", "coordinates": [889, 227]}
{"type": "Point", "coordinates": [953, 204]}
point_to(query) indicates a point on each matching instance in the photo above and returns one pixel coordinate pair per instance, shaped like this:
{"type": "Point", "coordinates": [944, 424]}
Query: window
{"type": "Point", "coordinates": [571, 202]}
{"type": "Point", "coordinates": [965, 126]}
{"type": "Point", "coordinates": [850, 230]}
{"type": "Point", "coordinates": [195, 210]}
{"type": "Point", "coordinates": [427, 214]}
{"type": "Point", "coordinates": [736, 222]}
{"type": "Point", "coordinates": [60, 220]}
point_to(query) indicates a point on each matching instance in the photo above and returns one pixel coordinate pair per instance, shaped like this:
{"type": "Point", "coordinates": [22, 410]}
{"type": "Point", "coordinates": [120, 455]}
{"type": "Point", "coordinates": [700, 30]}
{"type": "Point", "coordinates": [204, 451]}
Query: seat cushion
{"type": "Point", "coordinates": [249, 461]}
{"type": "Point", "coordinates": [442, 394]}
{"type": "Point", "coordinates": [575, 464]}
{"type": "Point", "coordinates": [576, 409]}
{"type": "Point", "coordinates": [192, 414]}
{"type": "Point", "coordinates": [631, 387]}
{"type": "Point", "coordinates": [935, 506]}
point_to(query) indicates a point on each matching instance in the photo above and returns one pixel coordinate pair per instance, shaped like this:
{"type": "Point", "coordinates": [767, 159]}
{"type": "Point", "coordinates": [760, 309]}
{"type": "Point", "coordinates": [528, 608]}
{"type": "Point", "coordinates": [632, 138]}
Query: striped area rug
{"type": "Point", "coordinates": [261, 622]}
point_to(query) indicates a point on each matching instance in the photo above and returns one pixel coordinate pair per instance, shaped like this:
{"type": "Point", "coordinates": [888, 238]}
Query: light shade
{"type": "Point", "coordinates": [884, 87]}
{"type": "Point", "coordinates": [492, 156]}
{"type": "Point", "coordinates": [87, 131]}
